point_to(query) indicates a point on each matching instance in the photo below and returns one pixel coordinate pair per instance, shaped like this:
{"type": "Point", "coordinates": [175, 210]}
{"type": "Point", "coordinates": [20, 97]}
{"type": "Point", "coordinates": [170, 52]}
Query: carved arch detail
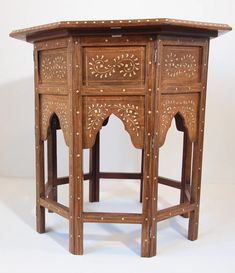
{"type": "Point", "coordinates": [129, 110]}
{"type": "Point", "coordinates": [58, 105]}
{"type": "Point", "coordinates": [184, 105]}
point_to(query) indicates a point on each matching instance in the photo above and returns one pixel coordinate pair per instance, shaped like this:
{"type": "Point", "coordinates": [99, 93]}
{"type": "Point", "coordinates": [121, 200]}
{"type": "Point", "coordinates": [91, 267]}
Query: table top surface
{"type": "Point", "coordinates": [144, 24]}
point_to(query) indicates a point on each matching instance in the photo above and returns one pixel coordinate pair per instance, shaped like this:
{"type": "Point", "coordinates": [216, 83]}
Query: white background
{"type": "Point", "coordinates": [17, 100]}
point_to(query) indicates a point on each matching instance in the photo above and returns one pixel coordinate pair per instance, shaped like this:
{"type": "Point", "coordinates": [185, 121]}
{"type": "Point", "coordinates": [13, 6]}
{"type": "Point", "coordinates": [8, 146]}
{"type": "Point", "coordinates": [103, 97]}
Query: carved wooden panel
{"type": "Point", "coordinates": [114, 65]}
{"type": "Point", "coordinates": [186, 106]}
{"type": "Point", "coordinates": [181, 64]}
{"type": "Point", "coordinates": [49, 105]}
{"type": "Point", "coordinates": [130, 110]}
{"type": "Point", "coordinates": [52, 66]}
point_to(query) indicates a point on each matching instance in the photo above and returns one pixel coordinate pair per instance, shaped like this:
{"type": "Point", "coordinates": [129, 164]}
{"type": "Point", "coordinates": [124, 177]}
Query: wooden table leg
{"type": "Point", "coordinates": [52, 160]}
{"type": "Point", "coordinates": [94, 183]}
{"type": "Point", "coordinates": [40, 187]}
{"type": "Point", "coordinates": [195, 194]}
{"type": "Point", "coordinates": [186, 171]}
{"type": "Point", "coordinates": [40, 180]}
{"type": "Point", "coordinates": [196, 171]}
{"type": "Point", "coordinates": [75, 153]}
{"type": "Point", "coordinates": [149, 171]}
{"type": "Point", "coordinates": [76, 197]}
{"type": "Point", "coordinates": [142, 171]}
{"type": "Point", "coordinates": [145, 240]}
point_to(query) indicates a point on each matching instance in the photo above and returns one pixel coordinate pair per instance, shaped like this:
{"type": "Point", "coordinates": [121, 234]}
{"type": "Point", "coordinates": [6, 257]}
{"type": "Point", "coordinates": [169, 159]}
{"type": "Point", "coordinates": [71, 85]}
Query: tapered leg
{"type": "Point", "coordinates": [52, 162]}
{"type": "Point", "coordinates": [94, 183]}
{"type": "Point", "coordinates": [186, 172]}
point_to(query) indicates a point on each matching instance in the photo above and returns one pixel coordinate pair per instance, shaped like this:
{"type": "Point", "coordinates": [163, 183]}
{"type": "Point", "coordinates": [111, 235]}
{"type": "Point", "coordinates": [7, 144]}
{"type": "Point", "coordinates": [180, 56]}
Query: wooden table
{"type": "Point", "coordinates": [146, 72]}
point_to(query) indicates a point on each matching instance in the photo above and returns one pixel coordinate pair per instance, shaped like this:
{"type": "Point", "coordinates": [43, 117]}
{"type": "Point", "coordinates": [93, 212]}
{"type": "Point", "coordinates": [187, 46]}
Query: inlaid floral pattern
{"type": "Point", "coordinates": [98, 112]}
{"type": "Point", "coordinates": [125, 64]}
{"type": "Point", "coordinates": [176, 65]}
{"type": "Point", "coordinates": [186, 107]}
{"type": "Point", "coordinates": [59, 106]}
{"type": "Point", "coordinates": [131, 113]}
{"type": "Point", "coordinates": [53, 67]}
{"type": "Point", "coordinates": [96, 115]}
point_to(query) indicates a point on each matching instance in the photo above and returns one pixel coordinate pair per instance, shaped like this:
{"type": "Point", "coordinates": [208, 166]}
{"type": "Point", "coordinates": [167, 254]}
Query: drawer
{"type": "Point", "coordinates": [116, 65]}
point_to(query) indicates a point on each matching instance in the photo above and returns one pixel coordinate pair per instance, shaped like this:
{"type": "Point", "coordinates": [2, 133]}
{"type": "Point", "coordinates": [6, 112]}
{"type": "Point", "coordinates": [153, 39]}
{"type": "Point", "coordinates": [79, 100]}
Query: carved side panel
{"type": "Point", "coordinates": [181, 63]}
{"type": "Point", "coordinates": [130, 110]}
{"type": "Point", "coordinates": [115, 65]}
{"type": "Point", "coordinates": [186, 106]}
{"type": "Point", "coordinates": [58, 105]}
{"type": "Point", "coordinates": [53, 66]}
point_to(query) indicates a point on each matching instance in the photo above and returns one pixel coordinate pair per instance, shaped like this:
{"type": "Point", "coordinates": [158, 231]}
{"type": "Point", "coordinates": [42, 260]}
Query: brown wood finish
{"type": "Point", "coordinates": [94, 183]}
{"type": "Point", "coordinates": [141, 178]}
{"type": "Point", "coordinates": [197, 156]}
{"type": "Point", "coordinates": [39, 151]}
{"type": "Point", "coordinates": [147, 73]}
{"type": "Point", "coordinates": [105, 217]}
{"type": "Point", "coordinates": [186, 171]}
{"type": "Point", "coordinates": [54, 207]}
{"type": "Point", "coordinates": [156, 25]}
{"type": "Point", "coordinates": [174, 211]}
{"type": "Point", "coordinates": [52, 159]}
{"type": "Point", "coordinates": [169, 182]}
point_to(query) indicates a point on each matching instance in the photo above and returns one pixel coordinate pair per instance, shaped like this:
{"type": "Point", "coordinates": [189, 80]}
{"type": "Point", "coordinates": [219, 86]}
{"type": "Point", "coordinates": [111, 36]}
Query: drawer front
{"type": "Point", "coordinates": [116, 65]}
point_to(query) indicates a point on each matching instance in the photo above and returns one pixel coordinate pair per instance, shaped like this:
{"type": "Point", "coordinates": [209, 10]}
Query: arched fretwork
{"type": "Point", "coordinates": [130, 112]}
{"type": "Point", "coordinates": [184, 106]}
{"type": "Point", "coordinates": [54, 105]}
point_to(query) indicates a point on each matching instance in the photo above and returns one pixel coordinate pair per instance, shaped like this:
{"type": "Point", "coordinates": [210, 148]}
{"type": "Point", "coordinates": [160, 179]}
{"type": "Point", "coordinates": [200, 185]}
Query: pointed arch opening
{"type": "Point", "coordinates": [175, 163]}
{"type": "Point", "coordinates": [111, 158]}
{"type": "Point", "coordinates": [130, 112]}
{"type": "Point", "coordinates": [56, 163]}
{"type": "Point", "coordinates": [51, 106]}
